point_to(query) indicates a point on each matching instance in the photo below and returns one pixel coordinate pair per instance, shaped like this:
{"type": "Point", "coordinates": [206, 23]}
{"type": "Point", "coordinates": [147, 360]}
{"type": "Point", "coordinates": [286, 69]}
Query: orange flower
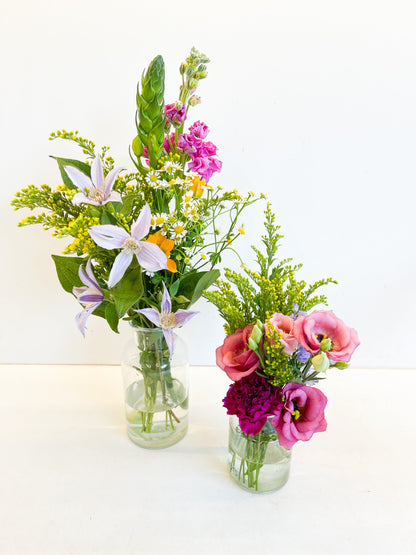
{"type": "Point", "coordinates": [198, 186]}
{"type": "Point", "coordinates": [166, 245]}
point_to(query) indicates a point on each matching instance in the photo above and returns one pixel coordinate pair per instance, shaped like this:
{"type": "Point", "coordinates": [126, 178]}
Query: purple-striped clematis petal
{"type": "Point", "coordinates": [141, 226]}
{"type": "Point", "coordinates": [110, 180]}
{"type": "Point", "coordinates": [108, 236]}
{"type": "Point", "coordinates": [81, 318]}
{"type": "Point", "coordinates": [97, 173]}
{"type": "Point", "coordinates": [166, 304]}
{"type": "Point", "coordinates": [78, 178]}
{"type": "Point", "coordinates": [166, 319]}
{"type": "Point", "coordinates": [90, 295]}
{"type": "Point", "coordinates": [114, 196]}
{"type": "Point", "coordinates": [120, 265]}
{"type": "Point", "coordinates": [170, 337]}
{"type": "Point", "coordinates": [151, 257]}
{"type": "Point", "coordinates": [183, 316]}
{"type": "Point", "coordinates": [151, 314]}
{"type": "Point", "coordinates": [80, 197]}
{"type": "Point", "coordinates": [99, 187]}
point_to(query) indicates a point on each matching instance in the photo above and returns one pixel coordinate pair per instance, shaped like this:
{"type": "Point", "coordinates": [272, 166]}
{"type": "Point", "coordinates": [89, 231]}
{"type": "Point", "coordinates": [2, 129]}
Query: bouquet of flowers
{"type": "Point", "coordinates": [143, 244]}
{"type": "Point", "coordinates": [276, 351]}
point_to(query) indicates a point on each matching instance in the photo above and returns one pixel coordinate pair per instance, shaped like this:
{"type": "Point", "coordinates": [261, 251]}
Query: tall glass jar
{"type": "Point", "coordinates": [258, 463]}
{"type": "Point", "coordinates": [156, 389]}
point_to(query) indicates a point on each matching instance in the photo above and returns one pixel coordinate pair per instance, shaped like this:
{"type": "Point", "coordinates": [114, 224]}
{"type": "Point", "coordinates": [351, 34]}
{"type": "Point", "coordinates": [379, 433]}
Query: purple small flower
{"type": "Point", "coordinates": [296, 312]}
{"type": "Point", "coordinates": [99, 187]}
{"type": "Point", "coordinates": [149, 255]}
{"type": "Point", "coordinates": [303, 355]}
{"type": "Point", "coordinates": [166, 319]}
{"type": "Point", "coordinates": [91, 296]}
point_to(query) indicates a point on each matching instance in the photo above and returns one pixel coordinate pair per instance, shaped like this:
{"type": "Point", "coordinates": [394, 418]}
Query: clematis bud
{"type": "Point", "coordinates": [182, 68]}
{"type": "Point", "coordinates": [320, 362]}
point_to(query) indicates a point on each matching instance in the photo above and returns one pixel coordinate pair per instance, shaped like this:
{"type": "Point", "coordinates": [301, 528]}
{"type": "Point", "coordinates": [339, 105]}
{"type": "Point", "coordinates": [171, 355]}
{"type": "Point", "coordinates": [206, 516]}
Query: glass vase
{"type": "Point", "coordinates": [156, 389]}
{"type": "Point", "coordinates": [258, 463]}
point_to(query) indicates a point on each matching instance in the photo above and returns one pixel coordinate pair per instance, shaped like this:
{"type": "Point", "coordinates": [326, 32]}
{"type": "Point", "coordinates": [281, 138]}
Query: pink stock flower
{"type": "Point", "coordinates": [283, 325]}
{"type": "Point", "coordinates": [175, 112]}
{"type": "Point", "coordinates": [234, 356]}
{"type": "Point", "coordinates": [199, 151]}
{"type": "Point", "coordinates": [311, 329]}
{"type": "Point", "coordinates": [301, 415]}
{"type": "Point", "coordinates": [199, 129]}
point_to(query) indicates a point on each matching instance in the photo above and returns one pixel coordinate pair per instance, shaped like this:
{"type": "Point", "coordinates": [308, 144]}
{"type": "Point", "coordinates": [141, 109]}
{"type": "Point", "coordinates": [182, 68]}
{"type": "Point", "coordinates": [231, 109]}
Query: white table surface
{"type": "Point", "coordinates": [72, 483]}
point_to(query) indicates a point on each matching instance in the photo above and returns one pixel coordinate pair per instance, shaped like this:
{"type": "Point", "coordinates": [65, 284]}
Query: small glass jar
{"type": "Point", "coordinates": [156, 389]}
{"type": "Point", "coordinates": [258, 463]}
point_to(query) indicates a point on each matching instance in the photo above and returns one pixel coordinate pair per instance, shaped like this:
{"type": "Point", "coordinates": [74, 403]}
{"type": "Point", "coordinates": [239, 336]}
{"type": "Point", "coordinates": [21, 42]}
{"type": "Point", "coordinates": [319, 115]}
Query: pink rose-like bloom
{"type": "Point", "coordinates": [301, 415]}
{"type": "Point", "coordinates": [309, 330]}
{"type": "Point", "coordinates": [284, 326]}
{"type": "Point", "coordinates": [234, 356]}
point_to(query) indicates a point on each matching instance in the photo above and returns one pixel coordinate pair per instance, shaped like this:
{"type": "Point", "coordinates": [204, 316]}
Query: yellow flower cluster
{"type": "Point", "coordinates": [78, 228]}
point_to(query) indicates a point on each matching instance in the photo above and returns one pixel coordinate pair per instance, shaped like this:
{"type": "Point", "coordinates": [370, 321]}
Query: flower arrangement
{"type": "Point", "coordinates": [143, 245]}
{"type": "Point", "coordinates": [276, 351]}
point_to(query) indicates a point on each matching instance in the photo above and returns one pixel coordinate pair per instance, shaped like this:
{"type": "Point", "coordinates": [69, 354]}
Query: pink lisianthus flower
{"type": "Point", "coordinates": [234, 356]}
{"type": "Point", "coordinates": [311, 329]}
{"type": "Point", "coordinates": [283, 325]}
{"type": "Point", "coordinates": [300, 415]}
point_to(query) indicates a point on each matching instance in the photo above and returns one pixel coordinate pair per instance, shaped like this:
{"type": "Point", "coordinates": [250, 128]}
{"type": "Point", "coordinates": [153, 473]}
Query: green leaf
{"type": "Point", "coordinates": [129, 289]}
{"type": "Point", "coordinates": [111, 316]}
{"type": "Point", "coordinates": [193, 285]}
{"type": "Point", "coordinates": [128, 202]}
{"type": "Point", "coordinates": [173, 289]}
{"type": "Point", "coordinates": [67, 268]}
{"type": "Point", "coordinates": [107, 218]}
{"type": "Point", "coordinates": [81, 166]}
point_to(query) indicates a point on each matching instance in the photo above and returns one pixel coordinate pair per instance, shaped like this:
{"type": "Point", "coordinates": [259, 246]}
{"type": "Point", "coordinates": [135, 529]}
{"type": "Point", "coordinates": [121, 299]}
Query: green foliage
{"type": "Point", "coordinates": [67, 268]}
{"type": "Point", "coordinates": [245, 298]}
{"type": "Point", "coordinates": [193, 285]}
{"type": "Point", "coordinates": [178, 198]}
{"type": "Point", "coordinates": [128, 290]}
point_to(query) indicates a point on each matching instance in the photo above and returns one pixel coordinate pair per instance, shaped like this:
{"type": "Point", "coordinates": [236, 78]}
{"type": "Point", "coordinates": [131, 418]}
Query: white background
{"type": "Point", "coordinates": [311, 102]}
